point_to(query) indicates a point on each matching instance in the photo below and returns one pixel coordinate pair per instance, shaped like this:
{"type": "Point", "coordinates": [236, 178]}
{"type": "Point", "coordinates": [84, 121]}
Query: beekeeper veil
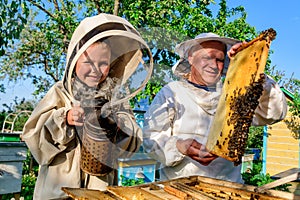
{"type": "Point", "coordinates": [131, 59]}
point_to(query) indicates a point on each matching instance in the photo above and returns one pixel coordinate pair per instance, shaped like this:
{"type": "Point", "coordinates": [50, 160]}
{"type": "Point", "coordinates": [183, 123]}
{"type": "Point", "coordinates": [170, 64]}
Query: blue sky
{"type": "Point", "coordinates": [282, 16]}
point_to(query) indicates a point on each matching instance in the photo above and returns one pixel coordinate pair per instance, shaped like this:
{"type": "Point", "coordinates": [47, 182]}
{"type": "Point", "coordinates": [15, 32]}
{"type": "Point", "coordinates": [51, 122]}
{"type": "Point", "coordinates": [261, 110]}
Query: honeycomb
{"type": "Point", "coordinates": [242, 89]}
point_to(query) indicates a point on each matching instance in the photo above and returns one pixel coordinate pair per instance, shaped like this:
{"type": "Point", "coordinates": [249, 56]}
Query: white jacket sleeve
{"type": "Point", "coordinates": [45, 132]}
{"type": "Point", "coordinates": [159, 140]}
{"type": "Point", "coordinates": [272, 104]}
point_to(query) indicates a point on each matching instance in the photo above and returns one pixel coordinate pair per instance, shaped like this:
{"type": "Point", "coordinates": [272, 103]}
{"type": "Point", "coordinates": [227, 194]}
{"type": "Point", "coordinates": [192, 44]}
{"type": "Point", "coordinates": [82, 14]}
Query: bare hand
{"type": "Point", "coordinates": [233, 50]}
{"type": "Point", "coordinates": [75, 116]}
{"type": "Point", "coordinates": [196, 151]}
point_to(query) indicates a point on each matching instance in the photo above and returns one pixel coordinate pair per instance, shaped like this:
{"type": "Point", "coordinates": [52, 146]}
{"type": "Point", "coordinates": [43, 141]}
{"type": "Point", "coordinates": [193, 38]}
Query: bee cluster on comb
{"type": "Point", "coordinates": [241, 113]}
{"type": "Point", "coordinates": [242, 89]}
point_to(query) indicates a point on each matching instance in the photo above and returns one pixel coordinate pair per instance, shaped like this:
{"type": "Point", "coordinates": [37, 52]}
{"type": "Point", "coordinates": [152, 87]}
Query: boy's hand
{"type": "Point", "coordinates": [75, 116]}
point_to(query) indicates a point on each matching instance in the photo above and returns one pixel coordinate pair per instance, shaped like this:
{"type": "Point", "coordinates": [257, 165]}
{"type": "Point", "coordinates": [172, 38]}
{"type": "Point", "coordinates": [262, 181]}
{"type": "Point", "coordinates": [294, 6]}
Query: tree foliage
{"type": "Point", "coordinates": [255, 137]}
{"type": "Point", "coordinates": [39, 55]}
{"type": "Point", "coordinates": [292, 85]}
{"type": "Point", "coordinates": [13, 16]}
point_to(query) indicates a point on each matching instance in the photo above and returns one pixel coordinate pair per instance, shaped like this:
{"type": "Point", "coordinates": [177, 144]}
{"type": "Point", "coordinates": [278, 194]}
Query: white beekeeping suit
{"type": "Point", "coordinates": [55, 144]}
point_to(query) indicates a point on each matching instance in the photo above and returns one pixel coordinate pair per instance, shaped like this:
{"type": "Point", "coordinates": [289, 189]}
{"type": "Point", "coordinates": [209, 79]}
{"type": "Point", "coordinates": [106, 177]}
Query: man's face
{"type": "Point", "coordinates": [93, 65]}
{"type": "Point", "coordinates": [207, 62]}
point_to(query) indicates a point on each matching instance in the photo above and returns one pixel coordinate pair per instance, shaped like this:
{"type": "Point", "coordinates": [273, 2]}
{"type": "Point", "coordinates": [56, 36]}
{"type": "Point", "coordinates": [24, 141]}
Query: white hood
{"type": "Point", "coordinates": [128, 53]}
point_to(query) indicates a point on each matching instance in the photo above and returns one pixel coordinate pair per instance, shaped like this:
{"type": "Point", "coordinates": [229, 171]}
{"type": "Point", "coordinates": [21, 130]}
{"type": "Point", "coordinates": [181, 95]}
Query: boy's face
{"type": "Point", "coordinates": [92, 66]}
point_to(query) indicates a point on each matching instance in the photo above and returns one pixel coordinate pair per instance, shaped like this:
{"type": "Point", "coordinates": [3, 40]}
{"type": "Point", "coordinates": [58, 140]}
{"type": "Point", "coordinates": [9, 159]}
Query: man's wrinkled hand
{"type": "Point", "coordinates": [195, 150]}
{"type": "Point", "coordinates": [234, 49]}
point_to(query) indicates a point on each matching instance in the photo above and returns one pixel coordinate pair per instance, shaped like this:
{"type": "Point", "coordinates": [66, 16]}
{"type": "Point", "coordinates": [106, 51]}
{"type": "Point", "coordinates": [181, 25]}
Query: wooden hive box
{"type": "Point", "coordinates": [283, 147]}
{"type": "Point", "coordinates": [12, 155]}
{"type": "Point", "coordinates": [188, 188]}
{"type": "Point", "coordinates": [282, 150]}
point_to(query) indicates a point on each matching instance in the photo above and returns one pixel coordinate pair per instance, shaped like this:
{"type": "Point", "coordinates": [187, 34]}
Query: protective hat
{"type": "Point", "coordinates": [183, 67]}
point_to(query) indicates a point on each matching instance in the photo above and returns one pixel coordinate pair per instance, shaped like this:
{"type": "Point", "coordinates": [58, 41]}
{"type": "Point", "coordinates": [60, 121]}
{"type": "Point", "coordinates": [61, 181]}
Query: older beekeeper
{"type": "Point", "coordinates": [84, 122]}
{"type": "Point", "coordinates": [179, 118]}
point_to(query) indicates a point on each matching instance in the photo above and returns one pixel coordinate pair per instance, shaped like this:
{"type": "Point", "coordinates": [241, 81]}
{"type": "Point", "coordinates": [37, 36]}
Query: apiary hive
{"type": "Point", "coordinates": [12, 155]}
{"type": "Point", "coordinates": [187, 188]}
{"type": "Point", "coordinates": [242, 88]}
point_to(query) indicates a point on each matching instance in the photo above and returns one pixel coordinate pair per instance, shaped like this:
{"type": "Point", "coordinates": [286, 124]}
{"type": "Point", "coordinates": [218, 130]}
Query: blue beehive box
{"type": "Point", "coordinates": [138, 166]}
{"type": "Point", "coordinates": [255, 151]}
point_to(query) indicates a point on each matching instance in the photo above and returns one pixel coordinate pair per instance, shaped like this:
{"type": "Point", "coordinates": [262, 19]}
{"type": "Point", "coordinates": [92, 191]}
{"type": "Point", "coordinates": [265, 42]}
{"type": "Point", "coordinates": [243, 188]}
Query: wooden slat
{"type": "Point", "coordinates": [279, 125]}
{"type": "Point", "coordinates": [228, 184]}
{"type": "Point", "coordinates": [279, 182]}
{"type": "Point", "coordinates": [233, 193]}
{"type": "Point", "coordinates": [278, 146]}
{"type": "Point", "coordinates": [275, 168]}
{"type": "Point", "coordinates": [174, 191]}
{"type": "Point", "coordinates": [283, 153]}
{"type": "Point", "coordinates": [195, 194]}
{"type": "Point", "coordinates": [285, 161]}
{"type": "Point", "coordinates": [161, 193]}
{"type": "Point", "coordinates": [283, 139]}
{"type": "Point", "coordinates": [83, 194]}
{"type": "Point", "coordinates": [285, 132]}
{"type": "Point", "coordinates": [129, 193]}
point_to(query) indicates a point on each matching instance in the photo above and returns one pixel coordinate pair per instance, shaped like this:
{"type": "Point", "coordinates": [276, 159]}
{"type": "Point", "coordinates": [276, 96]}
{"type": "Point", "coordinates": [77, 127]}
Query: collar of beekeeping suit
{"type": "Point", "coordinates": [182, 67]}
{"type": "Point", "coordinates": [131, 58]}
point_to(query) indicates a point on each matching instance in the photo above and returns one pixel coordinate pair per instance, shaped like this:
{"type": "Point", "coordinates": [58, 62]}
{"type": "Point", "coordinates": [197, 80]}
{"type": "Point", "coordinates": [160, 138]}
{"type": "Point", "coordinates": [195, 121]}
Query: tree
{"type": "Point", "coordinates": [13, 16]}
{"type": "Point", "coordinates": [39, 54]}
{"type": "Point", "coordinates": [292, 85]}
{"type": "Point", "coordinates": [181, 20]}
{"type": "Point", "coordinates": [12, 20]}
